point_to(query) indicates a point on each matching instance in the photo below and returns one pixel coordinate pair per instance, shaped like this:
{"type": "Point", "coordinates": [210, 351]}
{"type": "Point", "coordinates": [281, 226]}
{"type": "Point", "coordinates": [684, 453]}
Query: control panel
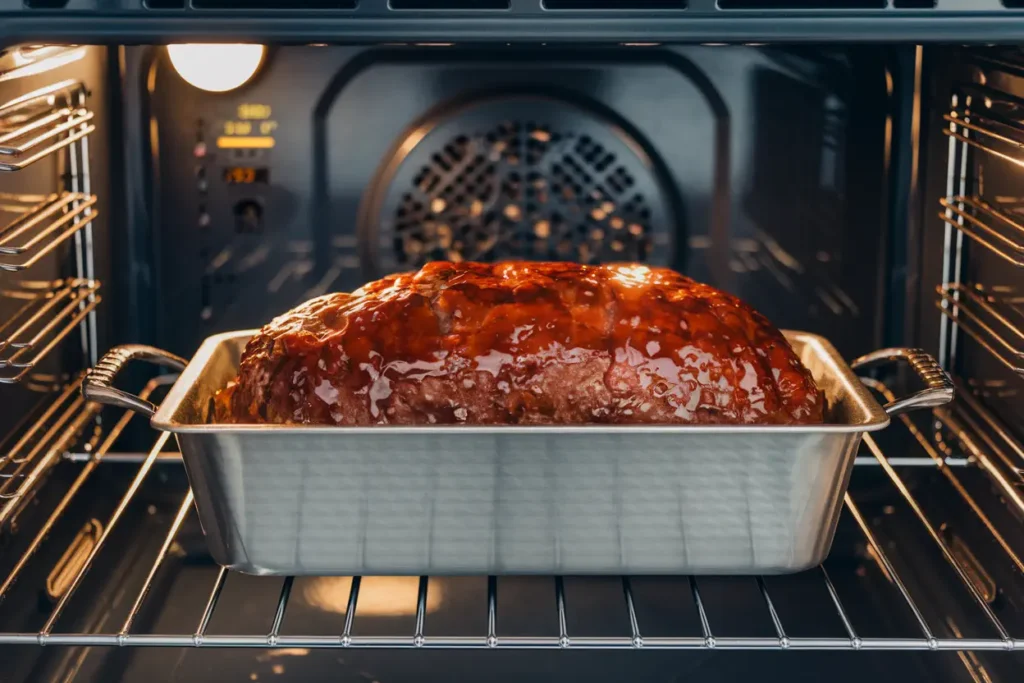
{"type": "Point", "coordinates": [232, 182]}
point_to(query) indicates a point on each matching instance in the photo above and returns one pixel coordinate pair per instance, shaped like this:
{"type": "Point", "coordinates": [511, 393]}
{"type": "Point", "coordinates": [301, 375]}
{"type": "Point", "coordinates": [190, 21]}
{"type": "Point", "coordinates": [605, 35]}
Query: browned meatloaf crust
{"type": "Point", "coordinates": [522, 343]}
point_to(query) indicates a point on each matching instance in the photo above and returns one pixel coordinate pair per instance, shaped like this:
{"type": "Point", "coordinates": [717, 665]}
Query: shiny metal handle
{"type": "Point", "coordinates": [98, 384]}
{"type": "Point", "coordinates": [939, 386]}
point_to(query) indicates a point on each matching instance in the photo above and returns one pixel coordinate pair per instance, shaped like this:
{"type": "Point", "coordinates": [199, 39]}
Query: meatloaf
{"type": "Point", "coordinates": [522, 343]}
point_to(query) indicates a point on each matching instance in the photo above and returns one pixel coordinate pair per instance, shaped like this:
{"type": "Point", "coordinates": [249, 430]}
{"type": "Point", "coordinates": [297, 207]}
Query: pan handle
{"type": "Point", "coordinates": [938, 389]}
{"type": "Point", "coordinates": [98, 384]}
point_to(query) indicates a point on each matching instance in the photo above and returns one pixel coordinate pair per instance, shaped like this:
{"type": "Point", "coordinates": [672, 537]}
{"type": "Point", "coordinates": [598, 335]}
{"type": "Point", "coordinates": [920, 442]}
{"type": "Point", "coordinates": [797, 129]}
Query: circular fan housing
{"type": "Point", "coordinates": [518, 178]}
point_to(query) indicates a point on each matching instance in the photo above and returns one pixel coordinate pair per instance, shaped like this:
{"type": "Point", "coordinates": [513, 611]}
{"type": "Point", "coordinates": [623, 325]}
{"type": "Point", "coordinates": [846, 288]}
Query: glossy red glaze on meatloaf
{"type": "Point", "coordinates": [523, 343]}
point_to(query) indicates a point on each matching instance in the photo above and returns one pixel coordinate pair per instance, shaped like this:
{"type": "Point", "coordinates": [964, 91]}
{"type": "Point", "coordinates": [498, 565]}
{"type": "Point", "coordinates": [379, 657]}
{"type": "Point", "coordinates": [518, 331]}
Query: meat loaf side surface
{"type": "Point", "coordinates": [522, 343]}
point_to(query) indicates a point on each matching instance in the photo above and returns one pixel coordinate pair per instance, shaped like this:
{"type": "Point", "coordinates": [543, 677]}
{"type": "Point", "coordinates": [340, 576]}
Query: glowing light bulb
{"type": "Point", "coordinates": [216, 67]}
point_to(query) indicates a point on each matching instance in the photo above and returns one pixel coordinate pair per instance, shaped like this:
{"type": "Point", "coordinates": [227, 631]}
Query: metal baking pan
{"type": "Point", "coordinates": [588, 499]}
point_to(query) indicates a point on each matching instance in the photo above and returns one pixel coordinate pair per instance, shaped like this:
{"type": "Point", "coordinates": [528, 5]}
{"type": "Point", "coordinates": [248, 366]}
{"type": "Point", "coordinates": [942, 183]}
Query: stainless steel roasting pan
{"type": "Point", "coordinates": [594, 499]}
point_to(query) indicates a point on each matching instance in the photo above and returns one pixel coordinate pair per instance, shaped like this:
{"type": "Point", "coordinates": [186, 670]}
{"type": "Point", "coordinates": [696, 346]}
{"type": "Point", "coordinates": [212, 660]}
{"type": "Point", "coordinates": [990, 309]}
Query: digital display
{"type": "Point", "coordinates": [246, 175]}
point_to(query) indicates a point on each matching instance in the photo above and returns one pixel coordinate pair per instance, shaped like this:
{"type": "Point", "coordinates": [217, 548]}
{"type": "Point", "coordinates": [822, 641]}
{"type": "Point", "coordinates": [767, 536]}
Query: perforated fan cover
{"type": "Point", "coordinates": [531, 178]}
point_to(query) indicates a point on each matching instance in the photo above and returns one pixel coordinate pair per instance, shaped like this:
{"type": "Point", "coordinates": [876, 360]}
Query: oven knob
{"type": "Point", "coordinates": [248, 216]}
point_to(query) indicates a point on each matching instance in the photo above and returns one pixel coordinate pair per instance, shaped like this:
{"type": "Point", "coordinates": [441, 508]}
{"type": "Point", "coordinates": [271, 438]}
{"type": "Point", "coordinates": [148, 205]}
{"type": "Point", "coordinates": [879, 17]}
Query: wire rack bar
{"type": "Point", "coordinates": [511, 642]}
{"type": "Point", "coordinates": [134, 457]}
{"type": "Point", "coordinates": [186, 507]}
{"type": "Point", "coordinates": [31, 313]}
{"type": "Point", "coordinates": [282, 605]}
{"type": "Point", "coordinates": [38, 131]}
{"type": "Point", "coordinates": [855, 640]}
{"type": "Point", "coordinates": [943, 416]}
{"type": "Point", "coordinates": [350, 612]}
{"type": "Point", "coordinates": [986, 122]}
{"type": "Point", "coordinates": [979, 442]}
{"type": "Point", "coordinates": [73, 124]}
{"type": "Point", "coordinates": [982, 146]}
{"type": "Point", "coordinates": [69, 495]}
{"type": "Point", "coordinates": [1008, 244]}
{"type": "Point", "coordinates": [1009, 488]}
{"type": "Point", "coordinates": [776, 621]}
{"type": "Point", "coordinates": [211, 604]}
{"type": "Point", "coordinates": [14, 455]}
{"type": "Point", "coordinates": [492, 611]}
{"type": "Point", "coordinates": [421, 609]}
{"type": "Point", "coordinates": [32, 60]}
{"type": "Point", "coordinates": [36, 125]}
{"type": "Point", "coordinates": [705, 624]}
{"type": "Point", "coordinates": [943, 547]}
{"type": "Point", "coordinates": [42, 323]}
{"type": "Point", "coordinates": [24, 465]}
{"type": "Point", "coordinates": [61, 91]}
{"type": "Point", "coordinates": [970, 121]}
{"type": "Point", "coordinates": [977, 314]}
{"type": "Point", "coordinates": [101, 541]}
{"type": "Point", "coordinates": [634, 625]}
{"type": "Point", "coordinates": [46, 228]}
{"type": "Point", "coordinates": [887, 566]}
{"type": "Point", "coordinates": [28, 468]}
{"type": "Point", "coordinates": [563, 631]}
{"type": "Point", "coordinates": [1008, 449]}
{"type": "Point", "coordinates": [53, 206]}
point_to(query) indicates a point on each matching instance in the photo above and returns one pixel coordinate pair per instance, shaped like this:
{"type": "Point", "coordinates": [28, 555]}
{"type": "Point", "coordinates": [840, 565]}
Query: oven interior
{"type": "Point", "coordinates": [862, 192]}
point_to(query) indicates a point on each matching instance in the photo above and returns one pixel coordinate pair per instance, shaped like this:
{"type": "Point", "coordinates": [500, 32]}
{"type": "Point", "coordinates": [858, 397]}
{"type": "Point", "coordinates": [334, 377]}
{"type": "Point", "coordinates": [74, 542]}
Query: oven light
{"type": "Point", "coordinates": [216, 67]}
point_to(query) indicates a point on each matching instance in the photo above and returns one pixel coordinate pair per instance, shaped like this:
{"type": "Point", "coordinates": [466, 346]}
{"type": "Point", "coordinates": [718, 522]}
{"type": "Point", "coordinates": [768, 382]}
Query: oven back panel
{"type": "Point", "coordinates": [338, 165]}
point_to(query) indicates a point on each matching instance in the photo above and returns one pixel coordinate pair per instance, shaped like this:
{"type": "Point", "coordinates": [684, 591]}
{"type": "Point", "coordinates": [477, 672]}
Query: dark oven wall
{"type": "Point", "coordinates": [762, 171]}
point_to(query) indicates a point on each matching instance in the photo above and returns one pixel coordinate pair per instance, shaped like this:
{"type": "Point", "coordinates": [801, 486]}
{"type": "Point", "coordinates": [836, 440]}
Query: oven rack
{"type": "Point", "coordinates": [989, 226]}
{"type": "Point", "coordinates": [52, 122]}
{"type": "Point", "coordinates": [984, 119]}
{"type": "Point", "coordinates": [30, 60]}
{"type": "Point", "coordinates": [922, 637]}
{"type": "Point", "coordinates": [24, 463]}
{"type": "Point", "coordinates": [41, 123]}
{"type": "Point", "coordinates": [52, 311]}
{"type": "Point", "coordinates": [988, 445]}
{"type": "Point", "coordinates": [44, 224]}
{"type": "Point", "coordinates": [995, 320]}
{"type": "Point", "coordinates": [993, 134]}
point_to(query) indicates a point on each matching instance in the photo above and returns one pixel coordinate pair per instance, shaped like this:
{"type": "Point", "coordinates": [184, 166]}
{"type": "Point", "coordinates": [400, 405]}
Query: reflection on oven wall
{"type": "Point", "coordinates": [805, 237]}
{"type": "Point", "coordinates": [981, 334]}
{"type": "Point", "coordinates": [336, 165]}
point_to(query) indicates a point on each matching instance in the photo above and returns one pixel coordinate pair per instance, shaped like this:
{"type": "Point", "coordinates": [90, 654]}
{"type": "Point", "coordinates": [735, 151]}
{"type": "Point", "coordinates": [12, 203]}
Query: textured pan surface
{"type": "Point", "coordinates": [511, 500]}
